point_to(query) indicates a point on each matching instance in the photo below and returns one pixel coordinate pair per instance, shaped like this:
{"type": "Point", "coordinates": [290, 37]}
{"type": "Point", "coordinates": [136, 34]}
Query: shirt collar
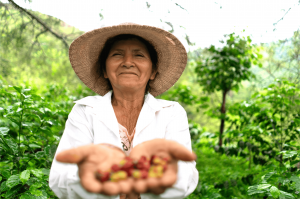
{"type": "Point", "coordinates": [105, 101]}
{"type": "Point", "coordinates": [103, 110]}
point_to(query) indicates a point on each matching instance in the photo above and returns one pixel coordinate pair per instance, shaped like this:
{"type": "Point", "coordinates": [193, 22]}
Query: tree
{"type": "Point", "coordinates": [226, 68]}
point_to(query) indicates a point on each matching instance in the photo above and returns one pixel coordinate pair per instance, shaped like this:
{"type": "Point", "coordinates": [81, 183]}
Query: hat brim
{"type": "Point", "coordinates": [85, 50]}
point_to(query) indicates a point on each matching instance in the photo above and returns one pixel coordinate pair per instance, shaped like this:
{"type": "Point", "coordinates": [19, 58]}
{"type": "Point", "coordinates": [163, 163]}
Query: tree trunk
{"type": "Point", "coordinates": [223, 111]}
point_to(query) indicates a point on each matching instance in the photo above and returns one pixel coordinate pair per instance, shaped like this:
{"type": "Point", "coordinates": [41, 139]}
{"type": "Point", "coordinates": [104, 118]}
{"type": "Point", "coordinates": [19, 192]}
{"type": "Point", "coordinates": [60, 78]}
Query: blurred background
{"type": "Point", "coordinates": [240, 88]}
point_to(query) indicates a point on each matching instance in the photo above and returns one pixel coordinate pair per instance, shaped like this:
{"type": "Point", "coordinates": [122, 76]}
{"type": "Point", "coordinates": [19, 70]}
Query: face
{"type": "Point", "coordinates": [129, 56]}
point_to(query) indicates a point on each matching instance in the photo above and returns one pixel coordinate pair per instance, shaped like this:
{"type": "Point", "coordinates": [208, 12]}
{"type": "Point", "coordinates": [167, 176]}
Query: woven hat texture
{"type": "Point", "coordinates": [85, 50]}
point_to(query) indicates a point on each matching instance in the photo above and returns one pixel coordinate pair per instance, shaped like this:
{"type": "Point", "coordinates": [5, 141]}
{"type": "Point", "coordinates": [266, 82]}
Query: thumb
{"type": "Point", "coordinates": [180, 152]}
{"type": "Point", "coordinates": [74, 155]}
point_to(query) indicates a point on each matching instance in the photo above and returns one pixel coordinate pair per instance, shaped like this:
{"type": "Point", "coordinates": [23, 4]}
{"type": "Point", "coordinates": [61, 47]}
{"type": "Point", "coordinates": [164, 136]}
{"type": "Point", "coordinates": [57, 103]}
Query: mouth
{"type": "Point", "coordinates": [127, 74]}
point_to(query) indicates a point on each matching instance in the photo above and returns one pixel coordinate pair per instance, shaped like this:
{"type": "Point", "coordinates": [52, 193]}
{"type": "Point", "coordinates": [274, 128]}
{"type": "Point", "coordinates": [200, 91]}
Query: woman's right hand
{"type": "Point", "coordinates": [89, 159]}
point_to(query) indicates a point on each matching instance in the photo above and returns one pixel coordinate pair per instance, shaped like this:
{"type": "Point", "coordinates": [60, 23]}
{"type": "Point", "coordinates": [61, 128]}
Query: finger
{"type": "Point", "coordinates": [169, 177]}
{"type": "Point", "coordinates": [152, 183]}
{"type": "Point", "coordinates": [111, 188]}
{"type": "Point", "coordinates": [126, 186]}
{"type": "Point", "coordinates": [180, 152]}
{"type": "Point", "coordinates": [89, 181]}
{"type": "Point", "coordinates": [75, 155]}
{"type": "Point", "coordinates": [140, 186]}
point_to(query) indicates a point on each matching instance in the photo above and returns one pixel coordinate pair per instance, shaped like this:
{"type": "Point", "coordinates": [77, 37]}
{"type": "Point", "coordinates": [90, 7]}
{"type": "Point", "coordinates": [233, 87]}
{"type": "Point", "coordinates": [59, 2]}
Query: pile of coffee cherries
{"type": "Point", "coordinates": [141, 169]}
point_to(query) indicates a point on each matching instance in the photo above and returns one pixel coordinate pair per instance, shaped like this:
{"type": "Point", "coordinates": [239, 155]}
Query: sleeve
{"type": "Point", "coordinates": [188, 175]}
{"type": "Point", "coordinates": [63, 179]}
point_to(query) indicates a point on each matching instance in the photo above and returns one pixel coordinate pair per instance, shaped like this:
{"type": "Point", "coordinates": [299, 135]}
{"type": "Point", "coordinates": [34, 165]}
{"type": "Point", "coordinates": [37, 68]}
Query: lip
{"type": "Point", "coordinates": [128, 73]}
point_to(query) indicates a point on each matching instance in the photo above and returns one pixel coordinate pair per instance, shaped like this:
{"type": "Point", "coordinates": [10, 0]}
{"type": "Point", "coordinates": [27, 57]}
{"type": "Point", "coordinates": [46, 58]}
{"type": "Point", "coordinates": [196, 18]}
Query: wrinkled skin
{"type": "Point", "coordinates": [89, 158]}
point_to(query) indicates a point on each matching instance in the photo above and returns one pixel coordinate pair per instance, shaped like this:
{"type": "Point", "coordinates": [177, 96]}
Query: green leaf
{"type": "Point", "coordinates": [26, 90]}
{"type": "Point", "coordinates": [296, 179]}
{"type": "Point", "coordinates": [32, 181]}
{"type": "Point", "coordinates": [36, 192]}
{"type": "Point", "coordinates": [3, 187]}
{"type": "Point", "coordinates": [4, 130]}
{"type": "Point", "coordinates": [37, 172]}
{"type": "Point", "coordinates": [24, 176]}
{"type": "Point", "coordinates": [39, 154]}
{"type": "Point", "coordinates": [27, 196]}
{"type": "Point", "coordinates": [253, 190]}
{"type": "Point", "coordinates": [263, 186]}
{"type": "Point", "coordinates": [0, 178]}
{"type": "Point", "coordinates": [35, 97]}
{"type": "Point", "coordinates": [13, 191]}
{"type": "Point", "coordinates": [46, 171]}
{"type": "Point", "coordinates": [12, 145]}
{"type": "Point", "coordinates": [12, 181]}
{"type": "Point", "coordinates": [5, 173]}
{"type": "Point", "coordinates": [267, 176]}
{"type": "Point", "coordinates": [33, 189]}
{"type": "Point", "coordinates": [275, 192]}
{"type": "Point", "coordinates": [35, 186]}
{"type": "Point", "coordinates": [13, 120]}
{"type": "Point", "coordinates": [34, 146]}
{"type": "Point", "coordinates": [18, 88]}
{"type": "Point", "coordinates": [289, 154]}
{"type": "Point", "coordinates": [285, 195]}
{"type": "Point", "coordinates": [50, 150]}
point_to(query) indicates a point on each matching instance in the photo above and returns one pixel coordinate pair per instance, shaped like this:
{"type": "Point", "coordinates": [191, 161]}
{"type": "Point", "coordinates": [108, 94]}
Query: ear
{"type": "Point", "coordinates": [153, 75]}
{"type": "Point", "coordinates": [105, 75]}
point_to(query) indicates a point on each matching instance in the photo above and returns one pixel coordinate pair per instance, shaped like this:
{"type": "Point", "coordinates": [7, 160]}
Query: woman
{"type": "Point", "coordinates": [127, 65]}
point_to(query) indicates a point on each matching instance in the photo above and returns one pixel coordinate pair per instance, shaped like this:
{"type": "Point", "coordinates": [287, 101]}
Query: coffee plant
{"type": "Point", "coordinates": [28, 141]}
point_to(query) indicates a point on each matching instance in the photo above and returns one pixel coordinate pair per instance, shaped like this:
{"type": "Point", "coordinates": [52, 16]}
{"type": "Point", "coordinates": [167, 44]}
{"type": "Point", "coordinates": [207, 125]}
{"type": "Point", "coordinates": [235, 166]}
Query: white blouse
{"type": "Point", "coordinates": [93, 121]}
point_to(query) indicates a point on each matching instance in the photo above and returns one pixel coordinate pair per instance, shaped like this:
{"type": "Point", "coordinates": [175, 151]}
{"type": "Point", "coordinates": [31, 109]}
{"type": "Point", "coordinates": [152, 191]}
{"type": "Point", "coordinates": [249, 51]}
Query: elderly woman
{"type": "Point", "coordinates": [128, 65]}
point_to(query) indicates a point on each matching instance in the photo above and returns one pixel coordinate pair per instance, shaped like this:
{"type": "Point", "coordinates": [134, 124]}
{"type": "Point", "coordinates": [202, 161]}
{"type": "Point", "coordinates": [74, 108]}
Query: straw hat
{"type": "Point", "coordinates": [85, 50]}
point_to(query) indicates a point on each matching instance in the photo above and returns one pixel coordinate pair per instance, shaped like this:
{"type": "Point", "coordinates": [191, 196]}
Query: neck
{"type": "Point", "coordinates": [127, 102]}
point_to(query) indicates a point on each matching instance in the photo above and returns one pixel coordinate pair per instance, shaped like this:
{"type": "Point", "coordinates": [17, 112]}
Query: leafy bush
{"type": "Point", "coordinates": [30, 130]}
{"type": "Point", "coordinates": [29, 137]}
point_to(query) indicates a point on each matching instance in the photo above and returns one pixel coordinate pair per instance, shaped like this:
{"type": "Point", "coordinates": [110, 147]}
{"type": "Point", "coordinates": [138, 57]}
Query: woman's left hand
{"type": "Point", "coordinates": [162, 148]}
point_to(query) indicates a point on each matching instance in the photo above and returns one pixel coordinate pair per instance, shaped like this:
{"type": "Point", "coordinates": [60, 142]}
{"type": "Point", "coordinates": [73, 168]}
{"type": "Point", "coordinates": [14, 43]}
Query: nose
{"type": "Point", "coordinates": [128, 60]}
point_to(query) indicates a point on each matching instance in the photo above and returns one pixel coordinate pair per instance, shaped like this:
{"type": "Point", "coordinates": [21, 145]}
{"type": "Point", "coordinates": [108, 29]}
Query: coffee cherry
{"type": "Point", "coordinates": [143, 168]}
{"type": "Point", "coordinates": [137, 174]}
{"type": "Point", "coordinates": [115, 168]}
{"type": "Point", "coordinates": [102, 176]}
{"type": "Point", "coordinates": [157, 160]}
{"type": "Point", "coordinates": [143, 165]}
{"type": "Point", "coordinates": [120, 175]}
{"type": "Point", "coordinates": [156, 171]}
{"type": "Point", "coordinates": [144, 174]}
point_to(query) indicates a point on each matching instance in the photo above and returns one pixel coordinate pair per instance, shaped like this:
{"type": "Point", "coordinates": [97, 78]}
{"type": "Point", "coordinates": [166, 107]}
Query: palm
{"type": "Point", "coordinates": [89, 159]}
{"type": "Point", "coordinates": [163, 148]}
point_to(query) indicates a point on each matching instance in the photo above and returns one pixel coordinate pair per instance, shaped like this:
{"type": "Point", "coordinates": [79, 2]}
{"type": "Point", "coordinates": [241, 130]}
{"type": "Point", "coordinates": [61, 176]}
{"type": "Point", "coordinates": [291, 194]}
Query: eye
{"type": "Point", "coordinates": [140, 55]}
{"type": "Point", "coordinates": [116, 54]}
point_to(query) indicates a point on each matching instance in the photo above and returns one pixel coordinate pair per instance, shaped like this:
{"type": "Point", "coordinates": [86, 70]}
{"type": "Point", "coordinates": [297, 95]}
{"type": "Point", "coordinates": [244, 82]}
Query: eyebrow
{"type": "Point", "coordinates": [135, 50]}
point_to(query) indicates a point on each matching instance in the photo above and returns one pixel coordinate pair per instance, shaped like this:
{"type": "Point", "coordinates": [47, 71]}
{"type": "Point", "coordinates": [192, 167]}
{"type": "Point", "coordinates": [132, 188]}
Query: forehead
{"type": "Point", "coordinates": [129, 43]}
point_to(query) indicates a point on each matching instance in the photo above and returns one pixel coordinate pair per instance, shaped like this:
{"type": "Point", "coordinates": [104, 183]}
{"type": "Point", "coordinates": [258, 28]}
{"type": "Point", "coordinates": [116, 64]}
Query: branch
{"type": "Point", "coordinates": [46, 28]}
{"type": "Point", "coordinates": [274, 24]}
{"type": "Point", "coordinates": [180, 6]}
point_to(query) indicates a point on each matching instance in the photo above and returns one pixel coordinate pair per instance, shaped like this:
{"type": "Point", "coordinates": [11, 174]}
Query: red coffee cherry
{"type": "Point", "coordinates": [115, 168]}
{"type": "Point", "coordinates": [102, 176]}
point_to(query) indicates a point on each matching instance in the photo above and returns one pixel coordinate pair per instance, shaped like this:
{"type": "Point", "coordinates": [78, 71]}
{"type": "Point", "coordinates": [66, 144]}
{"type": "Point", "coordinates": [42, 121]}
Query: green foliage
{"type": "Point", "coordinates": [226, 176]}
{"type": "Point", "coordinates": [228, 66]}
{"type": "Point", "coordinates": [280, 181]}
{"type": "Point", "coordinates": [28, 140]}
{"type": "Point", "coordinates": [29, 53]}
{"type": "Point", "coordinates": [262, 127]}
